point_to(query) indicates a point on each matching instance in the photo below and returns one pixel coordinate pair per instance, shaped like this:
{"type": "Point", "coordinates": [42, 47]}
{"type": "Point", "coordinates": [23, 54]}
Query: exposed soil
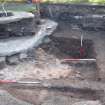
{"type": "Point", "coordinates": [70, 48]}
{"type": "Point", "coordinates": [48, 63]}
{"type": "Point", "coordinates": [39, 96]}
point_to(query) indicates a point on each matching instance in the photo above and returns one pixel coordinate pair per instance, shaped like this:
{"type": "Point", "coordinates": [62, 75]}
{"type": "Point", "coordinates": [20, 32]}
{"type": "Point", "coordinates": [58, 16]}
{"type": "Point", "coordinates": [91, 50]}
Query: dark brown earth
{"type": "Point", "coordinates": [70, 48]}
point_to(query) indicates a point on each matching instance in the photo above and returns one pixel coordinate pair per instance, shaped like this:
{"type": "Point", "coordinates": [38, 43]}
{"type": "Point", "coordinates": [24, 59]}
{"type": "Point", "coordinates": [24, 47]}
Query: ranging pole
{"type": "Point", "coordinates": [37, 6]}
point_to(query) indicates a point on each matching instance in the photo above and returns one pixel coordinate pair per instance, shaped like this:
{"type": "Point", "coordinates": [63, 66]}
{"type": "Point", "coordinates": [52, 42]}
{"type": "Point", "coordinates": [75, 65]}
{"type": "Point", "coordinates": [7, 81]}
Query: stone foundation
{"type": "Point", "coordinates": [85, 16]}
{"type": "Point", "coordinates": [16, 24]}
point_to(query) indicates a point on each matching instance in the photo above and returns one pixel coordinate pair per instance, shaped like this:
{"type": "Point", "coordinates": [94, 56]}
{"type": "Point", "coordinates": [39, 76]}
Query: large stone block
{"type": "Point", "coordinates": [16, 24]}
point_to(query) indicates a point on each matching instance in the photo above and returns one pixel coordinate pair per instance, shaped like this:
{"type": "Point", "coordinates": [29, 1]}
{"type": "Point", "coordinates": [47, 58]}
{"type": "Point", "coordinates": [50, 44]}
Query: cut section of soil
{"type": "Point", "coordinates": [70, 48]}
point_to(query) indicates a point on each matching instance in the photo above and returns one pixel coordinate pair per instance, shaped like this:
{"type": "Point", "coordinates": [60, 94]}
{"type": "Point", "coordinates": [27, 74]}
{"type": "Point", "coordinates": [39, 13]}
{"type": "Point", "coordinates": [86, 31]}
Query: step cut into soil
{"type": "Point", "coordinates": [70, 48]}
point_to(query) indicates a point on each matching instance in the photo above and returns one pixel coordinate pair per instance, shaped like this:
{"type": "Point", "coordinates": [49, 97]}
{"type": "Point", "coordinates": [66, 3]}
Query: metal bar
{"type": "Point", "coordinates": [78, 60]}
{"type": "Point", "coordinates": [19, 82]}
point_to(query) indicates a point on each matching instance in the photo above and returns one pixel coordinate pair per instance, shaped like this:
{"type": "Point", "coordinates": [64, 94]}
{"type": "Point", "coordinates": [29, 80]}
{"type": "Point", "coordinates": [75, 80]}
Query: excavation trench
{"type": "Point", "coordinates": [70, 48]}
{"type": "Point", "coordinates": [49, 59]}
{"type": "Point", "coordinates": [47, 62]}
{"type": "Point", "coordinates": [68, 51]}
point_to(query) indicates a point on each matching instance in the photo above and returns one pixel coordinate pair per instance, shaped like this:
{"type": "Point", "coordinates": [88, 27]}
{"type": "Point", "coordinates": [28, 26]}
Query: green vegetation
{"type": "Point", "coordinates": [22, 7]}
{"type": "Point", "coordinates": [76, 1]}
{"type": "Point", "coordinates": [97, 1]}
{"type": "Point", "coordinates": [63, 1]}
{"type": "Point", "coordinates": [19, 7]}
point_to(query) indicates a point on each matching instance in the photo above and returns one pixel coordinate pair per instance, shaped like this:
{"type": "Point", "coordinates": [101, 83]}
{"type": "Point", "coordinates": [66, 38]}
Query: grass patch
{"type": "Point", "coordinates": [19, 7]}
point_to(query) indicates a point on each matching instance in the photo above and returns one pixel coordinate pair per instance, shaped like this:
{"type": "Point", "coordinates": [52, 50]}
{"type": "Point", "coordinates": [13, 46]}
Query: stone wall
{"type": "Point", "coordinates": [17, 24]}
{"type": "Point", "coordinates": [81, 15]}
{"type": "Point", "coordinates": [57, 9]}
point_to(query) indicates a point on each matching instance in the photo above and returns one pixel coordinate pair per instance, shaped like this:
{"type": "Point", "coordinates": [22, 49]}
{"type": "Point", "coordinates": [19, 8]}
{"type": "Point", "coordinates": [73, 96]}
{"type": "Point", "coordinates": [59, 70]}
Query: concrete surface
{"type": "Point", "coordinates": [17, 45]}
{"type": "Point", "coordinates": [16, 17]}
